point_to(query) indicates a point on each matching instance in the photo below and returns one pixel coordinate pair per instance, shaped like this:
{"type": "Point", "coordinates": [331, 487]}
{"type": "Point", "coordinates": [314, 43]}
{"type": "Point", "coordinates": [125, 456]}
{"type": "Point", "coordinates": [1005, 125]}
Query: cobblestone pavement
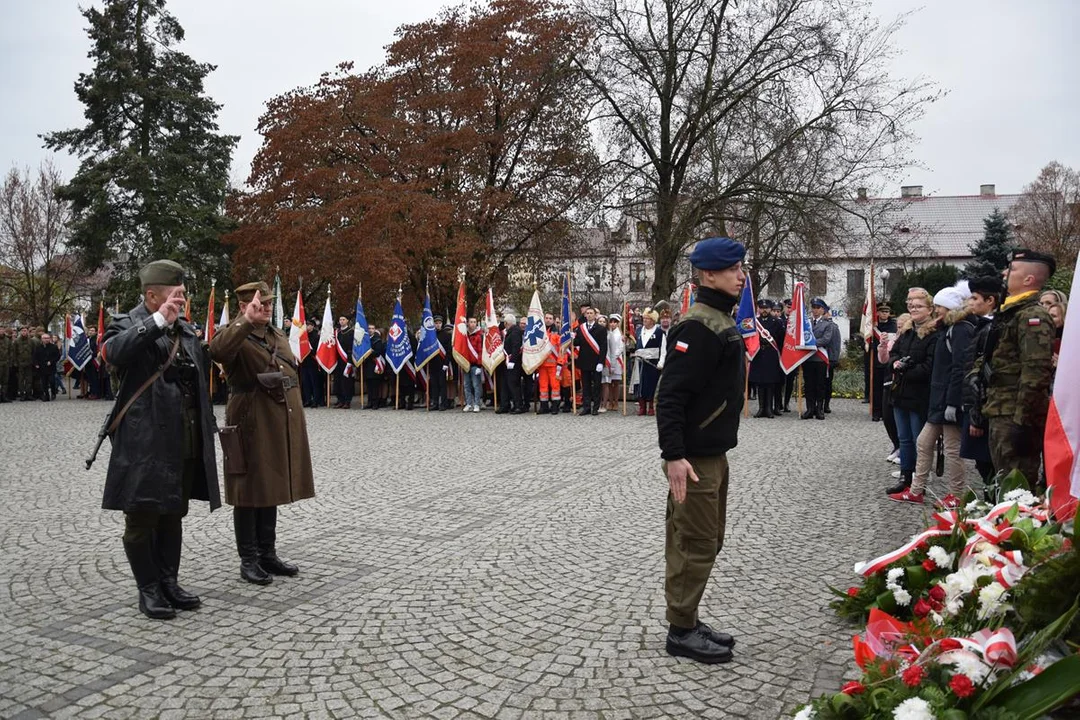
{"type": "Point", "coordinates": [452, 566]}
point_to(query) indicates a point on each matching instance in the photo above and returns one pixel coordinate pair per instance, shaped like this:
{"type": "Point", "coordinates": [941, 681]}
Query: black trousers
{"type": "Point", "coordinates": [437, 380]}
{"type": "Point", "coordinates": [515, 380]}
{"type": "Point", "coordinates": [814, 377]}
{"type": "Point", "coordinates": [828, 384]}
{"type": "Point", "coordinates": [590, 389]}
{"type": "Point", "coordinates": [888, 418]}
{"type": "Point", "coordinates": [789, 387]}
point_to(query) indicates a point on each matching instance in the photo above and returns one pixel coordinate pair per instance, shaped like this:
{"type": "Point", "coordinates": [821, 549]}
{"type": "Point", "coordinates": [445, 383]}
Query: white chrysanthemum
{"type": "Point", "coordinates": [963, 581]}
{"type": "Point", "coordinates": [894, 575]}
{"type": "Point", "coordinates": [1021, 496]}
{"type": "Point", "coordinates": [991, 601]}
{"type": "Point", "coordinates": [913, 709]}
{"type": "Point", "coordinates": [975, 507]}
{"type": "Point", "coordinates": [937, 618]}
{"type": "Point", "coordinates": [966, 663]}
{"type": "Point", "coordinates": [942, 558]}
{"type": "Point", "coordinates": [902, 596]}
{"type": "Point", "coordinates": [807, 713]}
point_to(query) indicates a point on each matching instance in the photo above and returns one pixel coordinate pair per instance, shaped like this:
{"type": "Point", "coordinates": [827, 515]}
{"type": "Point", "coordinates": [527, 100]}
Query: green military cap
{"type": "Point", "coordinates": [246, 292]}
{"type": "Point", "coordinates": [162, 272]}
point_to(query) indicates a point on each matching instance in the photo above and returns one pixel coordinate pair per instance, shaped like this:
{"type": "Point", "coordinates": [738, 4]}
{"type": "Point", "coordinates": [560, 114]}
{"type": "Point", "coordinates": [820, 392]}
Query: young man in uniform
{"type": "Point", "coordinates": [1017, 367]}
{"type": "Point", "coordinates": [698, 402]}
{"type": "Point", "coordinates": [591, 342]}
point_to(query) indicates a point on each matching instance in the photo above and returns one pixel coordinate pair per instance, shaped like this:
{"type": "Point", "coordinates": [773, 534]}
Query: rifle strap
{"type": "Point", "coordinates": [142, 388]}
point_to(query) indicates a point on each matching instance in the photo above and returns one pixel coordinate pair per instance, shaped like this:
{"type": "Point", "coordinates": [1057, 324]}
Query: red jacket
{"type": "Point", "coordinates": [476, 341]}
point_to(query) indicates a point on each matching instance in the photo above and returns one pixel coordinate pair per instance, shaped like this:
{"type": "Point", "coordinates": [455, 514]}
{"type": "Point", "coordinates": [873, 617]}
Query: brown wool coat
{"type": "Point", "coordinates": [274, 435]}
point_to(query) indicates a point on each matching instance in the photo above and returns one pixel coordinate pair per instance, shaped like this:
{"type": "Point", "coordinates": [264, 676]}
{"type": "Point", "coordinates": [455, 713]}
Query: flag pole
{"type": "Point", "coordinates": [871, 303]}
{"type": "Point", "coordinates": [625, 380]}
{"type": "Point", "coordinates": [573, 371]}
{"type": "Point", "coordinates": [328, 375]}
{"type": "Point", "coordinates": [397, 391]}
{"type": "Point", "coordinates": [213, 285]}
{"type": "Point", "coordinates": [798, 391]}
{"type": "Point", "coordinates": [360, 298]}
{"type": "Point", "coordinates": [746, 390]}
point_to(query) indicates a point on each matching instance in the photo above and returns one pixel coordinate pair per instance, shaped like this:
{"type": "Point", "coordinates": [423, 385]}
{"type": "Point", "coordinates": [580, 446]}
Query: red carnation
{"type": "Point", "coordinates": [929, 565]}
{"type": "Point", "coordinates": [854, 688]}
{"type": "Point", "coordinates": [913, 676]}
{"type": "Point", "coordinates": [852, 591]}
{"type": "Point", "coordinates": [936, 605]}
{"type": "Point", "coordinates": [961, 686]}
{"type": "Point", "coordinates": [949, 644]}
{"type": "Point", "coordinates": [922, 608]}
{"type": "Point", "coordinates": [937, 593]}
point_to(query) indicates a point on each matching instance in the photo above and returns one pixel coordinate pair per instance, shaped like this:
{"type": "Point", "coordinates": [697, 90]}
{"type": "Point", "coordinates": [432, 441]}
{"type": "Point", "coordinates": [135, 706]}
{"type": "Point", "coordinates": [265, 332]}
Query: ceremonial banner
{"type": "Point", "coordinates": [398, 348]}
{"type": "Point", "coordinates": [100, 329]}
{"type": "Point", "coordinates": [493, 352]}
{"type": "Point", "coordinates": [868, 322]}
{"type": "Point", "coordinates": [279, 305]}
{"type": "Point", "coordinates": [535, 345]}
{"type": "Point", "coordinates": [361, 345]}
{"type": "Point", "coordinates": [78, 344]}
{"type": "Point", "coordinates": [687, 298]}
{"type": "Point", "coordinates": [326, 354]}
{"type": "Point", "coordinates": [187, 308]}
{"type": "Point", "coordinates": [1062, 439]}
{"type": "Point", "coordinates": [463, 352]}
{"type": "Point", "coordinates": [566, 332]}
{"type": "Point", "coordinates": [746, 320]}
{"type": "Point", "coordinates": [427, 347]}
{"type": "Point", "coordinates": [209, 334]}
{"type": "Point", "coordinates": [224, 311]}
{"type": "Point", "coordinates": [799, 342]}
{"type": "Point", "coordinates": [298, 337]}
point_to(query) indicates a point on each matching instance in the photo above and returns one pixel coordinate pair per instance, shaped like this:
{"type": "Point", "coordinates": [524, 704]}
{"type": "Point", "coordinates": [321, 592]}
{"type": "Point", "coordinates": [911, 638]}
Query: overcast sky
{"type": "Point", "coordinates": [1009, 69]}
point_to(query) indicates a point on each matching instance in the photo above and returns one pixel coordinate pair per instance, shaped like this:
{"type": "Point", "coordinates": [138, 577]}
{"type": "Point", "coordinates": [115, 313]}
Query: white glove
{"type": "Point", "coordinates": [476, 371]}
{"type": "Point", "coordinates": [509, 365]}
{"type": "Point", "coordinates": [950, 414]}
{"type": "Point", "coordinates": [599, 367]}
{"type": "Point", "coordinates": [558, 372]}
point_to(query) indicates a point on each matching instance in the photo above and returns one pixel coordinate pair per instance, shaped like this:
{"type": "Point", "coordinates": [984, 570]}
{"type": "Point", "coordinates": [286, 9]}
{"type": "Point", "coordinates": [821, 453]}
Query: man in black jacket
{"type": "Point", "coordinates": [163, 447]}
{"type": "Point", "coordinates": [375, 370]}
{"type": "Point", "coordinates": [510, 399]}
{"type": "Point", "coordinates": [591, 342]}
{"type": "Point", "coordinates": [698, 402]}
{"type": "Point", "coordinates": [46, 356]}
{"type": "Point", "coordinates": [446, 362]}
{"type": "Point", "coordinates": [344, 372]}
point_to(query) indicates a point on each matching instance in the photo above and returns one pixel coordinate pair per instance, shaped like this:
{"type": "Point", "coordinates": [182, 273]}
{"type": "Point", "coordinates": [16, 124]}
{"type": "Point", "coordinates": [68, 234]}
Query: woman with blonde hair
{"type": "Point", "coordinates": [1049, 298]}
{"type": "Point", "coordinates": [911, 360]}
{"type": "Point", "coordinates": [649, 341]}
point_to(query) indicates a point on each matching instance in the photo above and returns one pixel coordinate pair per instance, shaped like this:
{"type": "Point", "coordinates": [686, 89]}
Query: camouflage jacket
{"type": "Point", "coordinates": [22, 353]}
{"type": "Point", "coordinates": [6, 355]}
{"type": "Point", "coordinates": [1021, 342]}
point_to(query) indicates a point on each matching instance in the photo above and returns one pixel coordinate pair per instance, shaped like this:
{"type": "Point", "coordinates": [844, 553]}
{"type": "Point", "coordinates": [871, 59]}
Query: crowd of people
{"type": "Point", "coordinates": [32, 367]}
{"type": "Point", "coordinates": [966, 375]}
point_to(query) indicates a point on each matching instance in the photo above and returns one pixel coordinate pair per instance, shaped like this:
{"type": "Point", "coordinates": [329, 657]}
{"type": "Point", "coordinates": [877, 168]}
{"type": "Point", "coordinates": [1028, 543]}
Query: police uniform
{"type": "Point", "coordinates": [698, 401]}
{"type": "Point", "coordinates": [1015, 374]}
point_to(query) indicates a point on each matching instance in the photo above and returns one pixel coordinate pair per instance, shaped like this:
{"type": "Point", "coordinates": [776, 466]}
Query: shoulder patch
{"type": "Point", "coordinates": [682, 346]}
{"type": "Point", "coordinates": [1034, 321]}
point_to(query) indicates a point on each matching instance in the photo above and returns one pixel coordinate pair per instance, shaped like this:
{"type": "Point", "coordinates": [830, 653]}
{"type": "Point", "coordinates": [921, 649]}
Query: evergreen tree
{"type": "Point", "coordinates": [992, 251]}
{"type": "Point", "coordinates": [154, 168]}
{"type": "Point", "coordinates": [931, 278]}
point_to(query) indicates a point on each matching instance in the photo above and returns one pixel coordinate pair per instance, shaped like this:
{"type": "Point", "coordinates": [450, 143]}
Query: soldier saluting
{"type": "Point", "coordinates": [162, 431]}
{"type": "Point", "coordinates": [266, 405]}
{"type": "Point", "coordinates": [698, 402]}
{"type": "Point", "coordinates": [1015, 372]}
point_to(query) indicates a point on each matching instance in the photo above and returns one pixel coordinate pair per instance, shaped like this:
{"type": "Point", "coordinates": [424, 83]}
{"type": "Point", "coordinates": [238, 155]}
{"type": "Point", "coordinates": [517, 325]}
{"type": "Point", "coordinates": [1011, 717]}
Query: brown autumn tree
{"type": "Point", "coordinates": [469, 149]}
{"type": "Point", "coordinates": [1047, 215]}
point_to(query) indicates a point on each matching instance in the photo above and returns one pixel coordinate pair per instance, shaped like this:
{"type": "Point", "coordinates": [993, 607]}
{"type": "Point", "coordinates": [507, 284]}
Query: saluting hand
{"type": "Point", "coordinates": [173, 306]}
{"type": "Point", "coordinates": [254, 308]}
{"type": "Point", "coordinates": [678, 471]}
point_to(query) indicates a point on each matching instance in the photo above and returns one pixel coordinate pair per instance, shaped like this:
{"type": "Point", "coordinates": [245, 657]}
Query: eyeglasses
{"type": "Point", "coordinates": [917, 306]}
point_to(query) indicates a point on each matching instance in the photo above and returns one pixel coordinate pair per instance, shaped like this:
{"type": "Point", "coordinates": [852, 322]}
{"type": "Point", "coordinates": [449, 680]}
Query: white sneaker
{"type": "Point", "coordinates": [895, 474]}
{"type": "Point", "coordinates": [602, 410]}
{"type": "Point", "coordinates": [467, 408]}
{"type": "Point", "coordinates": [896, 459]}
{"type": "Point", "coordinates": [476, 408]}
{"type": "Point", "coordinates": [892, 457]}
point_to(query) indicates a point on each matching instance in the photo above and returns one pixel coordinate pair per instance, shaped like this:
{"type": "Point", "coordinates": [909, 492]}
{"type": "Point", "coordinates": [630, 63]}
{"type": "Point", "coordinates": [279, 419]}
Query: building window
{"type": "Point", "coordinates": [637, 277]}
{"type": "Point", "coordinates": [777, 287]}
{"type": "Point", "coordinates": [856, 280]}
{"type": "Point", "coordinates": [819, 283]}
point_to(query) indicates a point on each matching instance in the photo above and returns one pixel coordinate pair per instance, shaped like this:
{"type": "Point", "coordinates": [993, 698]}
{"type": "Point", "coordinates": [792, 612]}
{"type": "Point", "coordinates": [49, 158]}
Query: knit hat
{"type": "Point", "coordinates": [951, 298]}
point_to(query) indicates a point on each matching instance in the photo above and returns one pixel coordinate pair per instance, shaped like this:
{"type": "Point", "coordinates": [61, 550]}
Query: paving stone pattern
{"type": "Point", "coordinates": [451, 566]}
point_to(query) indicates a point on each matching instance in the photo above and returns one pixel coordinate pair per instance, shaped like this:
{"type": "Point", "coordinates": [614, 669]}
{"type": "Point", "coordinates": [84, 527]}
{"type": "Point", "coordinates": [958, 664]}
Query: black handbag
{"type": "Point", "coordinates": [939, 463]}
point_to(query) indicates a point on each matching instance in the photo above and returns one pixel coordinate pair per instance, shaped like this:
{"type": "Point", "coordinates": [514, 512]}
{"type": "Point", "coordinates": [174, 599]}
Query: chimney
{"type": "Point", "coordinates": [987, 190]}
{"type": "Point", "coordinates": [910, 191]}
{"type": "Point", "coordinates": [862, 193]}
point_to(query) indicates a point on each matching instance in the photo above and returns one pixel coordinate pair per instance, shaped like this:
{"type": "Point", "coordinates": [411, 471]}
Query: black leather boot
{"type": "Point", "coordinates": [266, 530]}
{"type": "Point", "coordinates": [169, 541]}
{"type": "Point", "coordinates": [904, 484]}
{"type": "Point", "coordinates": [248, 548]}
{"type": "Point", "coordinates": [544, 407]}
{"type": "Point", "coordinates": [810, 412]}
{"type": "Point", "coordinates": [819, 410]}
{"type": "Point", "coordinates": [761, 400]}
{"type": "Point", "coordinates": [144, 567]}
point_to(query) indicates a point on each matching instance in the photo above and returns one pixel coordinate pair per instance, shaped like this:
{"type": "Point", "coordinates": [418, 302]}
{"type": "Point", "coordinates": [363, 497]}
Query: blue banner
{"type": "Point", "coordinates": [427, 347]}
{"type": "Point", "coordinates": [361, 344]}
{"type": "Point", "coordinates": [79, 352]}
{"type": "Point", "coordinates": [398, 347]}
{"type": "Point", "coordinates": [566, 333]}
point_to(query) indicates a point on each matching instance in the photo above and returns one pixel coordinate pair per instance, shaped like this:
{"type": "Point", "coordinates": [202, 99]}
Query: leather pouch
{"type": "Point", "coordinates": [232, 450]}
{"type": "Point", "coordinates": [273, 384]}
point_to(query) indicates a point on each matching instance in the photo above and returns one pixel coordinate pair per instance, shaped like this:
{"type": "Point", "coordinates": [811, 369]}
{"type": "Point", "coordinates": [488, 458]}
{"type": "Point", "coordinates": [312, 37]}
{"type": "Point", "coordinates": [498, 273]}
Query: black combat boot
{"type": "Point", "coordinates": [169, 541]}
{"type": "Point", "coordinates": [819, 410]}
{"type": "Point", "coordinates": [266, 530]}
{"type": "Point", "coordinates": [827, 410]}
{"type": "Point", "coordinates": [902, 485]}
{"type": "Point", "coordinates": [554, 407]}
{"type": "Point", "coordinates": [247, 545]}
{"type": "Point", "coordinates": [810, 412]}
{"type": "Point", "coordinates": [761, 400]}
{"type": "Point", "coordinates": [144, 567]}
{"type": "Point", "coordinates": [544, 407]}
{"type": "Point", "coordinates": [695, 644]}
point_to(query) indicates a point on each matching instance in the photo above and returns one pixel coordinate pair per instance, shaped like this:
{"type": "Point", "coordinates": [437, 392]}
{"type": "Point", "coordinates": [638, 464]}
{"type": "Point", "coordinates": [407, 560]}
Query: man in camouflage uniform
{"type": "Point", "coordinates": [1015, 372]}
{"type": "Point", "coordinates": [22, 357]}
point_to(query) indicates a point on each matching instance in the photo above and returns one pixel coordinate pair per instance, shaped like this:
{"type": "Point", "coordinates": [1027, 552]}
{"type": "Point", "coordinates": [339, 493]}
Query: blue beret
{"type": "Point", "coordinates": [718, 253]}
{"type": "Point", "coordinates": [819, 302]}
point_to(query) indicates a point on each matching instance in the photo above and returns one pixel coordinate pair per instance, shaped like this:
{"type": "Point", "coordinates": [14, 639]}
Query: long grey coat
{"type": "Point", "coordinates": [274, 435]}
{"type": "Point", "coordinates": [146, 466]}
